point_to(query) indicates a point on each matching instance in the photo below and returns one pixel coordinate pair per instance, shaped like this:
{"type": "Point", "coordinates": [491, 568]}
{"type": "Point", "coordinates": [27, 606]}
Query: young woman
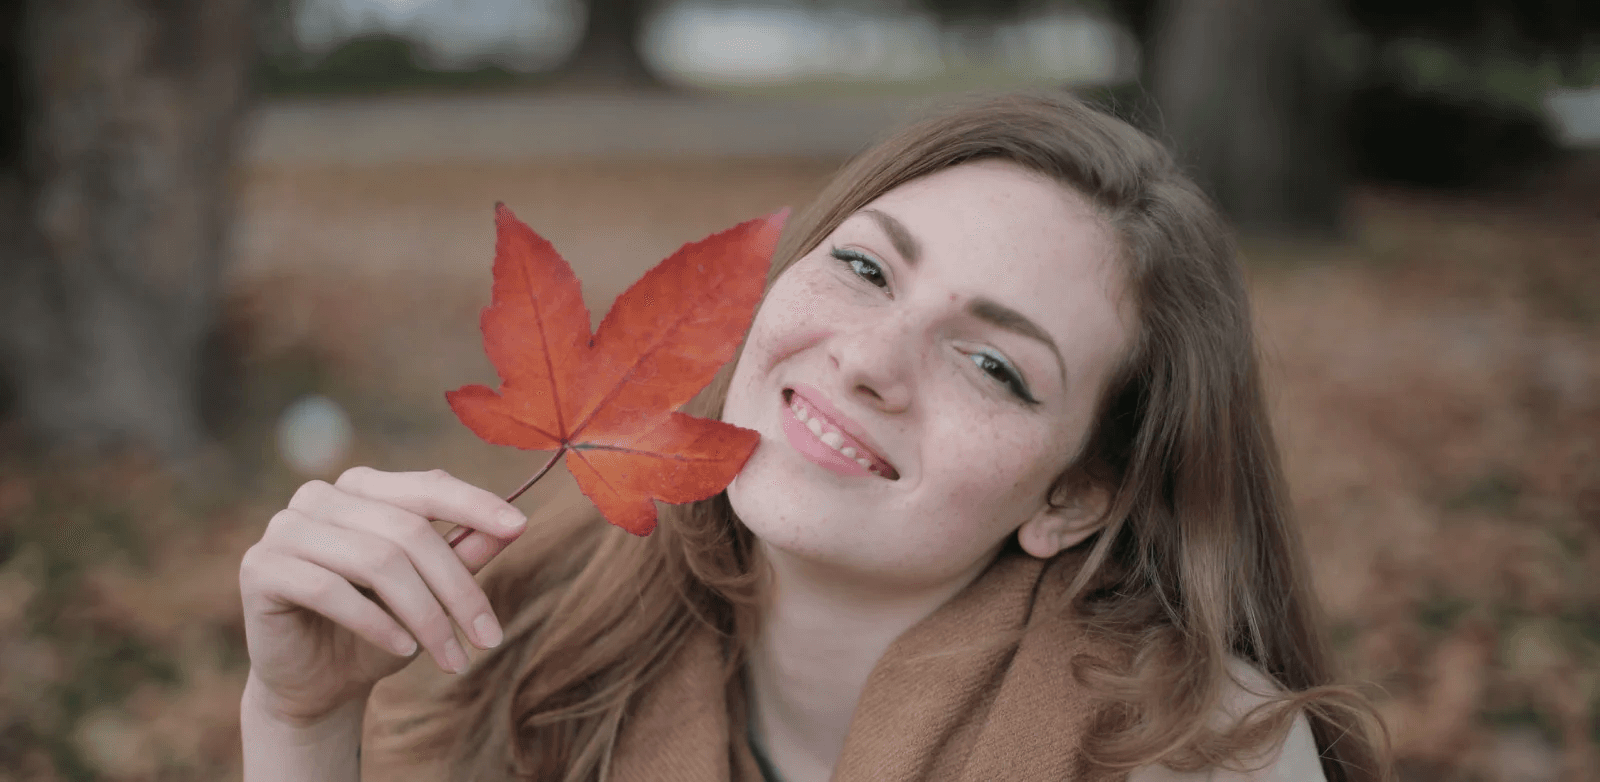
{"type": "Point", "coordinates": [1068, 554]}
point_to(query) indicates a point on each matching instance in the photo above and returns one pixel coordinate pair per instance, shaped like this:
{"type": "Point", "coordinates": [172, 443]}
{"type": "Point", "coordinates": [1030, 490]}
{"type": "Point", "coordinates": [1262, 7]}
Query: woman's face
{"type": "Point", "coordinates": [953, 336]}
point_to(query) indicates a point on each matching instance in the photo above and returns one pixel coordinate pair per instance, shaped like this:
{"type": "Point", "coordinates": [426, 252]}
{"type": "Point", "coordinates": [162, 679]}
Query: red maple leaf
{"type": "Point", "coordinates": [608, 401]}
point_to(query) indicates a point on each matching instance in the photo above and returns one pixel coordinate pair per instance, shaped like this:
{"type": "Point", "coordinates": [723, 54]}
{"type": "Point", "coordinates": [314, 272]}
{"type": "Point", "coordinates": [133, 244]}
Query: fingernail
{"type": "Point", "coordinates": [512, 520]}
{"type": "Point", "coordinates": [454, 657]}
{"type": "Point", "coordinates": [488, 631]}
{"type": "Point", "coordinates": [405, 645]}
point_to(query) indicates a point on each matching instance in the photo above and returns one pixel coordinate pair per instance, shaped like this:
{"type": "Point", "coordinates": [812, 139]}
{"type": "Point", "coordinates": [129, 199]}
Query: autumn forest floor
{"type": "Point", "coordinates": [1435, 381]}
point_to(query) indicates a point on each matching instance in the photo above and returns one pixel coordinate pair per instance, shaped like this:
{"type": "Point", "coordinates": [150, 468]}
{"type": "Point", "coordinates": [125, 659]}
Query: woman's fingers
{"type": "Point", "coordinates": [476, 549]}
{"type": "Point", "coordinates": [384, 567]}
{"type": "Point", "coordinates": [428, 553]}
{"type": "Point", "coordinates": [290, 581]}
{"type": "Point", "coordinates": [485, 523]}
{"type": "Point", "coordinates": [437, 495]}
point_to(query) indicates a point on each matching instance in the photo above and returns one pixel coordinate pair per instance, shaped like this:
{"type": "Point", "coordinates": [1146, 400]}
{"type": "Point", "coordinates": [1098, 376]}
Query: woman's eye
{"type": "Point", "coordinates": [862, 266]}
{"type": "Point", "coordinates": [1002, 371]}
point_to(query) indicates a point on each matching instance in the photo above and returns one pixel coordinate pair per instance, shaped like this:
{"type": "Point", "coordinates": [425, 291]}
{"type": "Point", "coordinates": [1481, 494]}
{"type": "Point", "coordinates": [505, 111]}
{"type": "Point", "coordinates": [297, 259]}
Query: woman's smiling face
{"type": "Point", "coordinates": [954, 336]}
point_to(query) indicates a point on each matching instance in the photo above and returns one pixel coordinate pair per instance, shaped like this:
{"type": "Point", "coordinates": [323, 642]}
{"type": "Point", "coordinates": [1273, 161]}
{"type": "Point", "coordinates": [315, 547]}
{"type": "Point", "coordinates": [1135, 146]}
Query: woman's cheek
{"type": "Point", "coordinates": [808, 298]}
{"type": "Point", "coordinates": [798, 314]}
{"type": "Point", "coordinates": [989, 460]}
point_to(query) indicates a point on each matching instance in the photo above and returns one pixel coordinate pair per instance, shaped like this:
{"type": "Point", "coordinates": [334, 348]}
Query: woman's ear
{"type": "Point", "coordinates": [1055, 529]}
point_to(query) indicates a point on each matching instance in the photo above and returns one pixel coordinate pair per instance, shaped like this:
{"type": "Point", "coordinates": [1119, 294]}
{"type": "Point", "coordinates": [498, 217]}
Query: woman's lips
{"type": "Point", "coordinates": [816, 430]}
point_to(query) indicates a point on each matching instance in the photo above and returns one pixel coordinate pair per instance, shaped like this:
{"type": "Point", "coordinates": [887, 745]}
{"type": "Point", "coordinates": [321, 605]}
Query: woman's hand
{"type": "Point", "coordinates": [351, 578]}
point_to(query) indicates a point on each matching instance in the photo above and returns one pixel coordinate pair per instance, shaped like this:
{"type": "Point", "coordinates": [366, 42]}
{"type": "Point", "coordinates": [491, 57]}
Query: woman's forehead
{"type": "Point", "coordinates": [993, 201]}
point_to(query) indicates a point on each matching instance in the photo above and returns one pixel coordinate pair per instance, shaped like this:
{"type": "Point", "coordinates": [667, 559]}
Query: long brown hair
{"type": "Point", "coordinates": [1198, 559]}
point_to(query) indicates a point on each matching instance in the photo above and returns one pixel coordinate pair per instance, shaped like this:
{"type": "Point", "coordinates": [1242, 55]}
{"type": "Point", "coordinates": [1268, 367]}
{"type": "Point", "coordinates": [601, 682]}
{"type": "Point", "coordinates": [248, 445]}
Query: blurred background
{"type": "Point", "coordinates": [243, 243]}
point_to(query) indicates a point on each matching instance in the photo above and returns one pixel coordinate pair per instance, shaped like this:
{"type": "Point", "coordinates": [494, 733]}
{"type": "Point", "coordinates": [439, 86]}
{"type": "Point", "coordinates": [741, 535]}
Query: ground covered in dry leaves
{"type": "Point", "coordinates": [1436, 383]}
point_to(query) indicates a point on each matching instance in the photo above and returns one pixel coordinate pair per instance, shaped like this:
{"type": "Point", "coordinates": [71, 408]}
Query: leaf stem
{"type": "Point", "coordinates": [536, 476]}
{"type": "Point", "coordinates": [460, 533]}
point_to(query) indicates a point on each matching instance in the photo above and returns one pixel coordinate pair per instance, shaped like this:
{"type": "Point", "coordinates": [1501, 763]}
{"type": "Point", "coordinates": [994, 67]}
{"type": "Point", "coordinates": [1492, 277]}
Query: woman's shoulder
{"type": "Point", "coordinates": [1295, 760]}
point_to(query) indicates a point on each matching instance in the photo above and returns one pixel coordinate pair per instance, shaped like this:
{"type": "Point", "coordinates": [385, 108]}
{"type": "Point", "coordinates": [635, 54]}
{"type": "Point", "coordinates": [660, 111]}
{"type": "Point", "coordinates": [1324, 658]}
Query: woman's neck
{"type": "Point", "coordinates": [820, 639]}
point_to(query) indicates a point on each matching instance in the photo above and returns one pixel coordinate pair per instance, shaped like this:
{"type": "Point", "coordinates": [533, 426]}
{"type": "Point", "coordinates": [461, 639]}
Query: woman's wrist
{"type": "Point", "coordinates": [278, 746]}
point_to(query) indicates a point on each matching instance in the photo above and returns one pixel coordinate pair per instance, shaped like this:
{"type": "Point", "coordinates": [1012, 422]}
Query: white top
{"type": "Point", "coordinates": [1296, 760]}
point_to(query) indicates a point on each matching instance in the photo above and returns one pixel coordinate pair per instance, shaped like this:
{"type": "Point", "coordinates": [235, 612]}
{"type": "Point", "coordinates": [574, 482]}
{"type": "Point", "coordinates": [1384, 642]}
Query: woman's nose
{"type": "Point", "coordinates": [875, 362]}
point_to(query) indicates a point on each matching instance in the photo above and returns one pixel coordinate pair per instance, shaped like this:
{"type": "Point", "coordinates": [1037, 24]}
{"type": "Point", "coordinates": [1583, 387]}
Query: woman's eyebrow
{"type": "Point", "coordinates": [991, 311]}
{"type": "Point", "coordinates": [904, 243]}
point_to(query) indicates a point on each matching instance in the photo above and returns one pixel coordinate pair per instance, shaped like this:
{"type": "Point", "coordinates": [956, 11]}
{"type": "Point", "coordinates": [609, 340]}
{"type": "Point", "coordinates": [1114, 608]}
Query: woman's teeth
{"type": "Point", "coordinates": [831, 438]}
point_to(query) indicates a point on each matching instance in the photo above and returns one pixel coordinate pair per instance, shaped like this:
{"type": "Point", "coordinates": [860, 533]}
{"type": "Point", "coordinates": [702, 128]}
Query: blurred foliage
{"type": "Point", "coordinates": [1442, 93]}
{"type": "Point", "coordinates": [1532, 28]}
{"type": "Point", "coordinates": [1443, 139]}
{"type": "Point", "coordinates": [12, 101]}
{"type": "Point", "coordinates": [958, 11]}
{"type": "Point", "coordinates": [1428, 113]}
{"type": "Point", "coordinates": [377, 63]}
{"type": "Point", "coordinates": [121, 645]}
{"type": "Point", "coordinates": [1395, 132]}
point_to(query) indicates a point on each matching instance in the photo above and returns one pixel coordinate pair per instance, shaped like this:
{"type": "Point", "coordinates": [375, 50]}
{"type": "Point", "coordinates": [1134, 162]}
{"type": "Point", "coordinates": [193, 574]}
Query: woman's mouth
{"type": "Point", "coordinates": [822, 440]}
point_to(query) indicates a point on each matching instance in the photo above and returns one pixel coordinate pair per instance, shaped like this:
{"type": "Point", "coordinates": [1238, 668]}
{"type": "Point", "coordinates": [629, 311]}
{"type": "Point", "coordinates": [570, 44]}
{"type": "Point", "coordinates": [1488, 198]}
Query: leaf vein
{"type": "Point", "coordinates": [544, 341]}
{"type": "Point", "coordinates": [634, 367]}
{"type": "Point", "coordinates": [600, 476]}
{"type": "Point", "coordinates": [637, 452]}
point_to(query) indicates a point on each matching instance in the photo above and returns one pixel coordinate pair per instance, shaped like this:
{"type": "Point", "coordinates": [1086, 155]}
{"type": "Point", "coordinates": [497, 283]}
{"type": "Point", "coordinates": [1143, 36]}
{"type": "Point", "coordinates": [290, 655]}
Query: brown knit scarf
{"type": "Point", "coordinates": [980, 690]}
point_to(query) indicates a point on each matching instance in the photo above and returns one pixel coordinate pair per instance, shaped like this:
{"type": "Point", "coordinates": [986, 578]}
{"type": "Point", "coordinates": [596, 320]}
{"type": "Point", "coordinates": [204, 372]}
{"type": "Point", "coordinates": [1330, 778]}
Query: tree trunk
{"type": "Point", "coordinates": [608, 54]}
{"type": "Point", "coordinates": [113, 211]}
{"type": "Point", "coordinates": [1247, 93]}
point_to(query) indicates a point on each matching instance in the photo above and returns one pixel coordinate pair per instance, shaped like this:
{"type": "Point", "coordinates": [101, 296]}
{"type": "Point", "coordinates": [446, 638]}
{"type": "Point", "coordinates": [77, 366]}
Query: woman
{"type": "Point", "coordinates": [1057, 547]}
